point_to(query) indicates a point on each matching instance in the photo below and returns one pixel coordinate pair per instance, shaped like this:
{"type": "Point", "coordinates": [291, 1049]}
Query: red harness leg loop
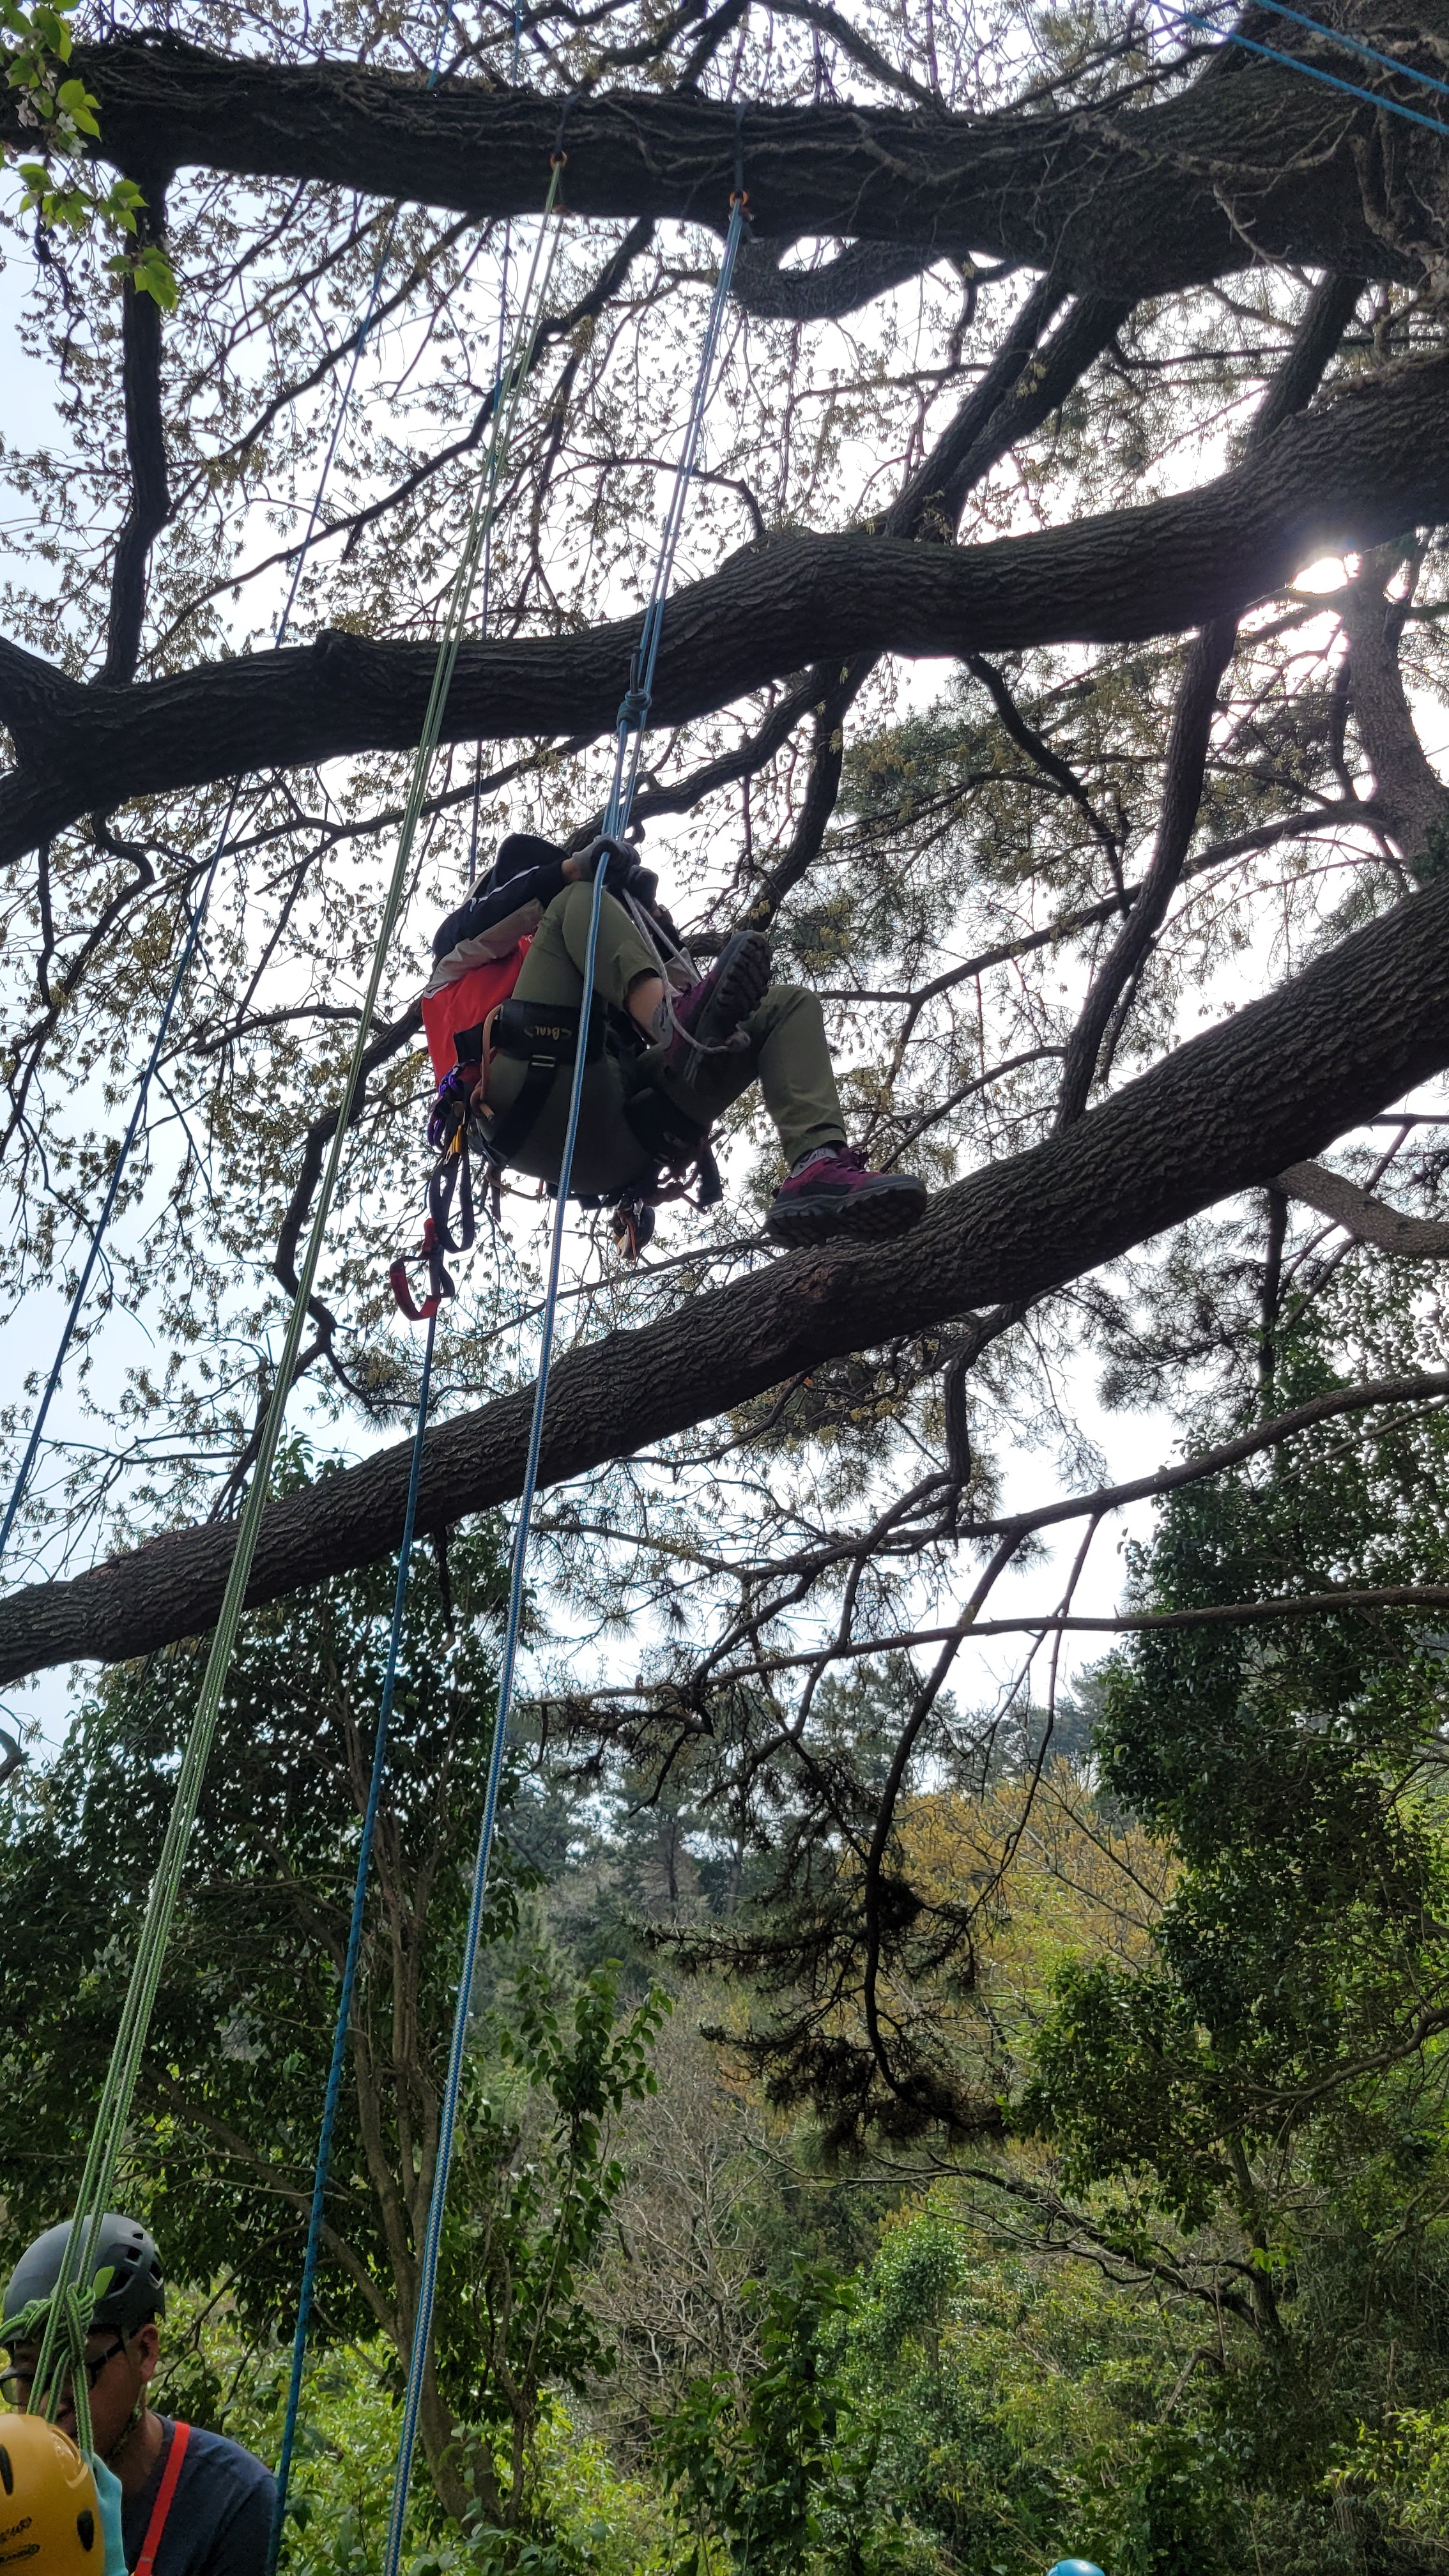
{"type": "Point", "coordinates": [440, 1285]}
{"type": "Point", "coordinates": [170, 2480]}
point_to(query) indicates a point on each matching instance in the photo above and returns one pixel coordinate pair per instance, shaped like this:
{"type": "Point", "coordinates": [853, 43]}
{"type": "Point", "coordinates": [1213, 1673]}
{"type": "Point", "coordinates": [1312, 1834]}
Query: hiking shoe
{"type": "Point", "coordinates": [833, 1193]}
{"type": "Point", "coordinates": [709, 1014]}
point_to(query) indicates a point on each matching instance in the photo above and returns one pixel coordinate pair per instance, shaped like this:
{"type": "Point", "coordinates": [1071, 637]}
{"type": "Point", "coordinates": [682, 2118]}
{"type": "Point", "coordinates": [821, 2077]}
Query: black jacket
{"type": "Point", "coordinates": [500, 915]}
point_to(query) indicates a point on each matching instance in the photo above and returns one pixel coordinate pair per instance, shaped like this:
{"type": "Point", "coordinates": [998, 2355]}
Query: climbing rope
{"type": "Point", "coordinates": [639, 696]}
{"type": "Point", "coordinates": [1355, 45]}
{"type": "Point", "coordinates": [633, 715]}
{"type": "Point", "coordinates": [197, 913]}
{"type": "Point", "coordinates": [354, 1950]}
{"type": "Point", "coordinates": [119, 2087]}
{"type": "Point", "coordinates": [1315, 71]}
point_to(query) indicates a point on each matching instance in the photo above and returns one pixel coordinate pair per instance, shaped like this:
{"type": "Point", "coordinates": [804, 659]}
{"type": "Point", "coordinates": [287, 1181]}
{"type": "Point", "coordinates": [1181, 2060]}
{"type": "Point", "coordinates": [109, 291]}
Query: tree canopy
{"type": "Point", "coordinates": [1105, 370]}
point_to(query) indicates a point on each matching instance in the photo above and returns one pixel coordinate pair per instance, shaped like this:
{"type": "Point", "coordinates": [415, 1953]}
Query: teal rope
{"type": "Point", "coordinates": [632, 716]}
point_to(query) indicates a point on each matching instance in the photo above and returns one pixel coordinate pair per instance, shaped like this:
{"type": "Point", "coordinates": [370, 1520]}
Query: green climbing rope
{"type": "Point", "coordinates": [114, 2111]}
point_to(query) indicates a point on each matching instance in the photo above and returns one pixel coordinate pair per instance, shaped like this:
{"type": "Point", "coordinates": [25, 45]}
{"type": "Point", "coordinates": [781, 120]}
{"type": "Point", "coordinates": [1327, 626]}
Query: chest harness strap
{"type": "Point", "coordinates": [165, 2498]}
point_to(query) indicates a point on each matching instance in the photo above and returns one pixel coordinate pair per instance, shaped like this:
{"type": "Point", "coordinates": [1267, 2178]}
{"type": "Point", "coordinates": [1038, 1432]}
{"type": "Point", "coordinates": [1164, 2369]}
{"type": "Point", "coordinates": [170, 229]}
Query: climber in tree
{"type": "Point", "coordinates": [201, 2505]}
{"type": "Point", "coordinates": [664, 1054]}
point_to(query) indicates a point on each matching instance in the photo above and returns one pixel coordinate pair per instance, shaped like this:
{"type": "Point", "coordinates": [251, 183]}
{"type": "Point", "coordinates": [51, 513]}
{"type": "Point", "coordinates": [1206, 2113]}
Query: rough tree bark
{"type": "Point", "coordinates": [1359, 469]}
{"type": "Point", "coordinates": [1269, 1088]}
{"type": "Point", "coordinates": [1248, 162]}
{"type": "Point", "coordinates": [145, 455]}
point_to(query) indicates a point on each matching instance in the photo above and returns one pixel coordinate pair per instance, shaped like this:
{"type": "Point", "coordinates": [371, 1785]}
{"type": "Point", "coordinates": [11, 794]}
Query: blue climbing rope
{"type": "Point", "coordinates": [1313, 71]}
{"type": "Point", "coordinates": [1355, 45]}
{"type": "Point", "coordinates": [197, 913]}
{"type": "Point", "coordinates": [633, 715]}
{"type": "Point", "coordinates": [349, 1969]}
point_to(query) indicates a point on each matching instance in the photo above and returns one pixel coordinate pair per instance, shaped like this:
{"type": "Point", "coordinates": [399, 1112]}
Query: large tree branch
{"type": "Point", "coordinates": [145, 454]}
{"type": "Point", "coordinates": [827, 293]}
{"type": "Point", "coordinates": [1361, 1215]}
{"type": "Point", "coordinates": [1249, 162]}
{"type": "Point", "coordinates": [1365, 466]}
{"type": "Point", "coordinates": [1274, 1084]}
{"type": "Point", "coordinates": [1414, 799]}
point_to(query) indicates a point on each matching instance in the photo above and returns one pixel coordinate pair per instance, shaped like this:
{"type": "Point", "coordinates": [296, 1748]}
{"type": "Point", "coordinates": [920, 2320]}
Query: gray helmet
{"type": "Point", "coordinates": [134, 2292]}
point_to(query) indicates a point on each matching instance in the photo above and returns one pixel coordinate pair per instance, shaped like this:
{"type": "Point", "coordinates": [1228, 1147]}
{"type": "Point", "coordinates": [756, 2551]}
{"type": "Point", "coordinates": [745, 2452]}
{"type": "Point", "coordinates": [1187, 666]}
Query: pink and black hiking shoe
{"type": "Point", "coordinates": [709, 1014]}
{"type": "Point", "coordinates": [832, 1193]}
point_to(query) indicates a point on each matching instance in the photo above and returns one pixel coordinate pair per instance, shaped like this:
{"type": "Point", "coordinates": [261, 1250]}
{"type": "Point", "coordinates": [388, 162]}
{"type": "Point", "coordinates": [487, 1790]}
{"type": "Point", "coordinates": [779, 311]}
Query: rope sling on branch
{"type": "Point", "coordinates": [196, 915]}
{"type": "Point", "coordinates": [119, 2087]}
{"type": "Point", "coordinates": [633, 716]}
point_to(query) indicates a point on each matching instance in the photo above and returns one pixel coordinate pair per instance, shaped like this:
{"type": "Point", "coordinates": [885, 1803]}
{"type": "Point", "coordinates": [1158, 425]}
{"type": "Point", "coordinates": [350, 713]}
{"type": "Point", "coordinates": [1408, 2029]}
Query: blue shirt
{"type": "Point", "coordinates": [221, 2514]}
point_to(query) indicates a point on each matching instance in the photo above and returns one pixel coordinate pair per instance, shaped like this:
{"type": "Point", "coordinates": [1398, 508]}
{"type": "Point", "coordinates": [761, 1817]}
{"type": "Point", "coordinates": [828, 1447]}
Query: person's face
{"type": "Point", "coordinates": [118, 2368]}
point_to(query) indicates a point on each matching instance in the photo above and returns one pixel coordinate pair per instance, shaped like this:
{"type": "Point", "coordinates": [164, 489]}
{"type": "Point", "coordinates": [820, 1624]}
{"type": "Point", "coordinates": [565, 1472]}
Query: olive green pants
{"type": "Point", "coordinates": [785, 1052]}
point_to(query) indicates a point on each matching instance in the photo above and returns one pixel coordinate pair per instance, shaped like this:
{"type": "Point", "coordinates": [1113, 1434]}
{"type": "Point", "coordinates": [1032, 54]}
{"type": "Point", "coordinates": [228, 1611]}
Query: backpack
{"type": "Point", "coordinates": [465, 1004]}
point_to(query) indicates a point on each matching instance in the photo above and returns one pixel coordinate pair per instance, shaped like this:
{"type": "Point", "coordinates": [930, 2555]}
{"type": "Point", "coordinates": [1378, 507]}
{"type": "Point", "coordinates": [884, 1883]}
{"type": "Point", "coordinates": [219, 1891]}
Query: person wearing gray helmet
{"type": "Point", "coordinates": [192, 2503]}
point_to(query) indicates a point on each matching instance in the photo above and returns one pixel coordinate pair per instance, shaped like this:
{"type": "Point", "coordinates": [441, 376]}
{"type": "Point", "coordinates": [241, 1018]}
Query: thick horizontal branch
{"type": "Point", "coordinates": [1368, 464]}
{"type": "Point", "coordinates": [1248, 162]}
{"type": "Point", "coordinates": [1272, 1086]}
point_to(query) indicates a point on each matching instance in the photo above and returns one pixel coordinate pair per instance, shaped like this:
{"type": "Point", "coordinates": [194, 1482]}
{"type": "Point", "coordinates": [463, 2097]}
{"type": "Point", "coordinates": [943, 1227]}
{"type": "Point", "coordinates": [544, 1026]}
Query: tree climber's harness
{"type": "Point", "coordinates": [544, 1037]}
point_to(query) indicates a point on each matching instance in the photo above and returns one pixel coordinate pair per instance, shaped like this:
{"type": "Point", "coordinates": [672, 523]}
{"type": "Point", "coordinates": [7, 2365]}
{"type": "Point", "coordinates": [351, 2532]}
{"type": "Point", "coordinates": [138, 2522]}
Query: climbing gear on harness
{"type": "Point", "coordinates": [440, 1284]}
{"type": "Point", "coordinates": [832, 1192]}
{"type": "Point", "coordinates": [616, 821]}
{"type": "Point", "coordinates": [452, 1176]}
{"type": "Point", "coordinates": [123, 2248]}
{"type": "Point", "coordinates": [632, 1225]}
{"type": "Point", "coordinates": [165, 2498]}
{"type": "Point", "coordinates": [50, 2515]}
{"type": "Point", "coordinates": [709, 1015]}
{"type": "Point", "coordinates": [452, 1105]}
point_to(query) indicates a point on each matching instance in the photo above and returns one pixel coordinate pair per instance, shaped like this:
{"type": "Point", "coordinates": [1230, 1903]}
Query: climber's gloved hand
{"type": "Point", "coordinates": [618, 859]}
{"type": "Point", "coordinates": [108, 2497]}
{"type": "Point", "coordinates": [451, 1107]}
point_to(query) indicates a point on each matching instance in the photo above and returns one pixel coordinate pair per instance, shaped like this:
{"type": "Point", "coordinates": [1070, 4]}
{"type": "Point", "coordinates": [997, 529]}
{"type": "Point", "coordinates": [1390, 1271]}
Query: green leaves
{"type": "Point", "coordinates": [67, 117]}
{"type": "Point", "coordinates": [784, 2472]}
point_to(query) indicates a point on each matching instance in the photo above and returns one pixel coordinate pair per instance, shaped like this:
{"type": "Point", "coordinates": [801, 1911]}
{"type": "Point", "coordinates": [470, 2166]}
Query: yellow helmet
{"type": "Point", "coordinates": [50, 2522]}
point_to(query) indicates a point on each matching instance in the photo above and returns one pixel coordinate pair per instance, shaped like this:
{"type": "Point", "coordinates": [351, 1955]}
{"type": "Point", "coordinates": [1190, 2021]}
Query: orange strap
{"type": "Point", "coordinates": [170, 2478]}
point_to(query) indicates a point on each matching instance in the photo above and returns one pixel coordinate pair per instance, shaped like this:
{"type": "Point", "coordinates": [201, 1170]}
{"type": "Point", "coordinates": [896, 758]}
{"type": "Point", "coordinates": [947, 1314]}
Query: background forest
{"type": "Point", "coordinates": [959, 2067]}
{"type": "Point", "coordinates": [1162, 2278]}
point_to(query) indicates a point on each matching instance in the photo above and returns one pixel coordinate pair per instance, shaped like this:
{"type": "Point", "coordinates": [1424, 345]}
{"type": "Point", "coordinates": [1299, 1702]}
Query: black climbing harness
{"type": "Point", "coordinates": [544, 1037]}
